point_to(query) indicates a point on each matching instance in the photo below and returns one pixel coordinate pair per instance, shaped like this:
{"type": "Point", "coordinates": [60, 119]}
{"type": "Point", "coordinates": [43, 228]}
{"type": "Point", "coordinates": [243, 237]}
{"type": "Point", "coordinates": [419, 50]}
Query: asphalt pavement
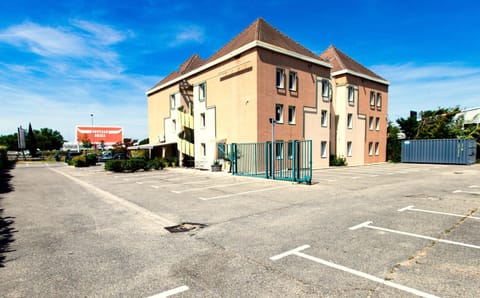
{"type": "Point", "coordinates": [387, 230]}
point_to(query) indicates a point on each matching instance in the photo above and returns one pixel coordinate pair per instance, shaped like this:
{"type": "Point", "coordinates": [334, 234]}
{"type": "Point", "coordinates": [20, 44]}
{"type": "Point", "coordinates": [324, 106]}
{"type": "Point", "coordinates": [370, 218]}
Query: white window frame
{"type": "Point", "coordinates": [323, 149]}
{"type": "Point", "coordinates": [290, 145]}
{"type": "Point", "coordinates": [349, 148]}
{"type": "Point", "coordinates": [279, 115]}
{"type": "Point", "coordinates": [292, 120]}
{"type": "Point", "coordinates": [370, 148]}
{"type": "Point", "coordinates": [203, 146]}
{"type": "Point", "coordinates": [202, 92]}
{"type": "Point", "coordinates": [324, 118]}
{"type": "Point", "coordinates": [280, 78]}
{"type": "Point", "coordinates": [370, 123]}
{"type": "Point", "coordinates": [379, 100]}
{"type": "Point", "coordinates": [377, 148]}
{"type": "Point", "coordinates": [325, 89]}
{"type": "Point", "coordinates": [202, 120]}
{"type": "Point", "coordinates": [372, 99]}
{"type": "Point", "coordinates": [377, 123]}
{"type": "Point", "coordinates": [351, 95]}
{"type": "Point", "coordinates": [292, 81]}
{"type": "Point", "coordinates": [279, 150]}
{"type": "Point", "coordinates": [349, 120]}
{"type": "Point", "coordinates": [173, 102]}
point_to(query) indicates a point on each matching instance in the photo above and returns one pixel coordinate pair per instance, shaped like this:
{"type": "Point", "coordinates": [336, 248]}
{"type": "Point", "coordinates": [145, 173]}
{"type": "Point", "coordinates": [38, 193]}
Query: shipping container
{"type": "Point", "coordinates": [443, 151]}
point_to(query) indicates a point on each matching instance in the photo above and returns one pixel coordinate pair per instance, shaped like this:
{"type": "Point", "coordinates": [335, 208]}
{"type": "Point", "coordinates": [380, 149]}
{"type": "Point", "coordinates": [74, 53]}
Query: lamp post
{"type": "Point", "coordinates": [91, 131]}
{"type": "Point", "coordinates": [273, 121]}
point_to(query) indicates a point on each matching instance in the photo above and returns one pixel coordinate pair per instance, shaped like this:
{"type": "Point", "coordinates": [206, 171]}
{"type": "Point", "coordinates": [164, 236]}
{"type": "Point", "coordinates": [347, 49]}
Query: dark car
{"type": "Point", "coordinates": [71, 155]}
{"type": "Point", "coordinates": [120, 156]}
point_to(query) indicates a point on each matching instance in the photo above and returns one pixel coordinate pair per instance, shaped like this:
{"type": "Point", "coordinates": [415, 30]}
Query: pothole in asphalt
{"type": "Point", "coordinates": [185, 227]}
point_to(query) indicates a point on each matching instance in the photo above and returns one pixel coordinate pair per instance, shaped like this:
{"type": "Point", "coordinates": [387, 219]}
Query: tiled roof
{"type": "Point", "coordinates": [342, 61]}
{"type": "Point", "coordinates": [190, 64]}
{"type": "Point", "coordinates": [259, 30]}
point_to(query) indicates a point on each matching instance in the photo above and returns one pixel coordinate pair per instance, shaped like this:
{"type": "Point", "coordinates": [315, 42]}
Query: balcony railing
{"type": "Point", "coordinates": [186, 147]}
{"type": "Point", "coordinates": [185, 120]}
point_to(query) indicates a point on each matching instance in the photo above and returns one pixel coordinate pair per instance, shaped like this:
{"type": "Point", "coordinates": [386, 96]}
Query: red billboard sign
{"type": "Point", "coordinates": [109, 135]}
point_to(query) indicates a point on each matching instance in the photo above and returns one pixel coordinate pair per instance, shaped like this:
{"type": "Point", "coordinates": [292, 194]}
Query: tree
{"type": "Point", "coordinates": [438, 124]}
{"type": "Point", "coordinates": [49, 139]}
{"type": "Point", "coordinates": [394, 145]}
{"type": "Point", "coordinates": [31, 141]}
{"type": "Point", "coordinates": [409, 126]}
{"type": "Point", "coordinates": [144, 141]}
{"type": "Point", "coordinates": [9, 141]}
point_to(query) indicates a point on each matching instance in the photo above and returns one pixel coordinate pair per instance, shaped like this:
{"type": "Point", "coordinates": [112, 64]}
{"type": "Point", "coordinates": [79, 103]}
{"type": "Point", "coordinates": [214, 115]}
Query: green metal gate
{"type": "Point", "coordinates": [286, 160]}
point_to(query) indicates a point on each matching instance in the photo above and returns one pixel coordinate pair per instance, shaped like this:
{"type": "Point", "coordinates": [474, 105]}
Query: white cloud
{"type": "Point", "coordinates": [187, 34]}
{"type": "Point", "coordinates": [45, 41]}
{"type": "Point", "coordinates": [103, 34]}
{"type": "Point", "coordinates": [426, 87]}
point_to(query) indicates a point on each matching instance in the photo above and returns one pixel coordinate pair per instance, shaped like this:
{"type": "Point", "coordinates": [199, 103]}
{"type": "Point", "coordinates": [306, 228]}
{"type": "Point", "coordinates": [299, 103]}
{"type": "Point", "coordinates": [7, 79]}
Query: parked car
{"type": "Point", "coordinates": [71, 155]}
{"type": "Point", "coordinates": [120, 156]}
{"type": "Point", "coordinates": [105, 155]}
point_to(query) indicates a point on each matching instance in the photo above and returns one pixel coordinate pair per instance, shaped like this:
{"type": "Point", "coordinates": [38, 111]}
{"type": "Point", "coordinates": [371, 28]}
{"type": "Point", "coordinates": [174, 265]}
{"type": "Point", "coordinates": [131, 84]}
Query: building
{"type": "Point", "coordinates": [263, 74]}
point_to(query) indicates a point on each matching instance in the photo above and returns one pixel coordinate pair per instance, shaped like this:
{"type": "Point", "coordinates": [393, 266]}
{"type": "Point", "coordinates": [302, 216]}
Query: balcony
{"type": "Point", "coordinates": [185, 120]}
{"type": "Point", "coordinates": [185, 147]}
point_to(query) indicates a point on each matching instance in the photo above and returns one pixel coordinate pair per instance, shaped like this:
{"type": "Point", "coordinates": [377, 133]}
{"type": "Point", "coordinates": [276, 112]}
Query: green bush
{"type": "Point", "coordinates": [157, 163]}
{"type": "Point", "coordinates": [91, 159]}
{"type": "Point", "coordinates": [115, 165]}
{"type": "Point", "coordinates": [135, 164]}
{"type": "Point", "coordinates": [3, 158]}
{"type": "Point", "coordinates": [337, 161]}
{"type": "Point", "coordinates": [78, 161]}
{"type": "Point", "coordinates": [172, 161]}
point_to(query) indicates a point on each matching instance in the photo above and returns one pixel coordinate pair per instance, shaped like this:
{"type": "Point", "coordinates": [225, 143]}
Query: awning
{"type": "Point", "coordinates": [150, 146]}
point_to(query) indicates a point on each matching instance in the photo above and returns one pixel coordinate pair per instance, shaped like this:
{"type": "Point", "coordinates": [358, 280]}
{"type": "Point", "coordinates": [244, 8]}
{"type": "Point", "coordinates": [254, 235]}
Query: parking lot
{"type": "Point", "coordinates": [387, 230]}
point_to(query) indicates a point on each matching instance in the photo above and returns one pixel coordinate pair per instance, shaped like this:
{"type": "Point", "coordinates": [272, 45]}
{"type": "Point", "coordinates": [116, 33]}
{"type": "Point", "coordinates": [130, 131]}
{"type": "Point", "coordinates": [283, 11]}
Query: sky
{"type": "Point", "coordinates": [61, 61]}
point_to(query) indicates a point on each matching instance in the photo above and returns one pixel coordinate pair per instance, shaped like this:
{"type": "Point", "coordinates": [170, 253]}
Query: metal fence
{"type": "Point", "coordinates": [444, 151]}
{"type": "Point", "coordinates": [286, 160]}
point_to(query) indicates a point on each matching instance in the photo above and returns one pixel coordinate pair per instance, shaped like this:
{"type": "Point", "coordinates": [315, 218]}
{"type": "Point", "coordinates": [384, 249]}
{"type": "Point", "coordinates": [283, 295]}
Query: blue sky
{"type": "Point", "coordinates": [60, 61]}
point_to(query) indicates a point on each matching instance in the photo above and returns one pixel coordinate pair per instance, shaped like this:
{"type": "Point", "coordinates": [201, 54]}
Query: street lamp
{"type": "Point", "coordinates": [91, 131]}
{"type": "Point", "coordinates": [273, 121]}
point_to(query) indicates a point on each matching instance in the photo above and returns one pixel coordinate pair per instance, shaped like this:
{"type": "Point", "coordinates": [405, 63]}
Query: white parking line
{"type": "Point", "coordinates": [171, 292]}
{"type": "Point", "coordinates": [469, 192]}
{"type": "Point", "coordinates": [208, 187]}
{"type": "Point", "coordinates": [297, 252]}
{"type": "Point", "coordinates": [410, 208]}
{"type": "Point", "coordinates": [242, 193]}
{"type": "Point", "coordinates": [367, 225]}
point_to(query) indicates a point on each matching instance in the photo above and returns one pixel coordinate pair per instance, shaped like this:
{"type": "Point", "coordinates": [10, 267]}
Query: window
{"type": "Point", "coordinates": [279, 113]}
{"type": "Point", "coordinates": [377, 123]}
{"type": "Point", "coordinates": [202, 92]}
{"type": "Point", "coordinates": [280, 78]}
{"type": "Point", "coordinates": [372, 99]}
{"type": "Point", "coordinates": [204, 149]}
{"type": "Point", "coordinates": [349, 148]}
{"type": "Point", "coordinates": [351, 95]}
{"type": "Point", "coordinates": [222, 150]}
{"type": "Point", "coordinates": [290, 149]}
{"type": "Point", "coordinates": [324, 118]}
{"type": "Point", "coordinates": [202, 119]}
{"type": "Point", "coordinates": [323, 149]}
{"type": "Point", "coordinates": [350, 120]}
{"type": "Point", "coordinates": [379, 100]}
{"type": "Point", "coordinates": [279, 149]}
{"type": "Point", "coordinates": [172, 102]}
{"type": "Point", "coordinates": [370, 148]}
{"type": "Point", "coordinates": [292, 81]}
{"type": "Point", "coordinates": [377, 148]}
{"type": "Point", "coordinates": [325, 88]}
{"type": "Point", "coordinates": [370, 123]}
{"type": "Point", "coordinates": [291, 114]}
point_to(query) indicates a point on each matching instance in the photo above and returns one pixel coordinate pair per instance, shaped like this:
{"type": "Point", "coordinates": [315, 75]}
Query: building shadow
{"type": "Point", "coordinates": [6, 222]}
